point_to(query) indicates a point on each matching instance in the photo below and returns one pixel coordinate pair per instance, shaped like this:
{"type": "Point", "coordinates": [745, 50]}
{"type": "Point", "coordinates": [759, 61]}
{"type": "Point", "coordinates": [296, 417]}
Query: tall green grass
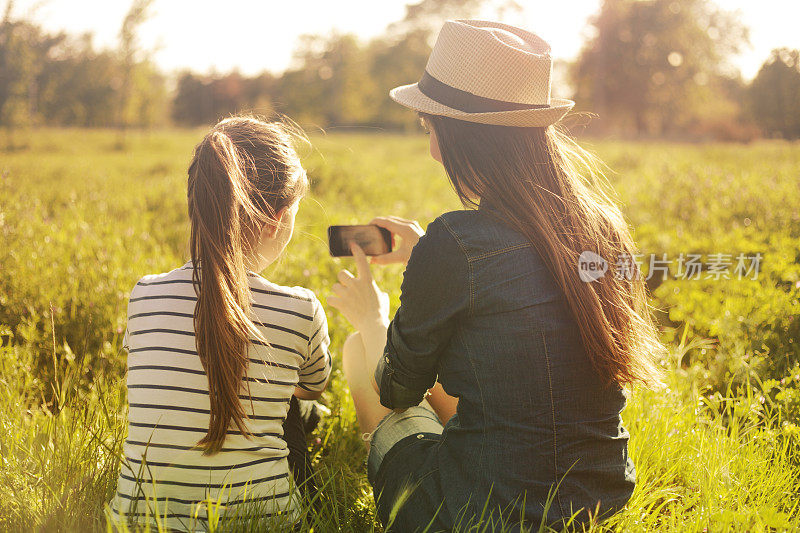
{"type": "Point", "coordinates": [700, 464]}
{"type": "Point", "coordinates": [82, 218]}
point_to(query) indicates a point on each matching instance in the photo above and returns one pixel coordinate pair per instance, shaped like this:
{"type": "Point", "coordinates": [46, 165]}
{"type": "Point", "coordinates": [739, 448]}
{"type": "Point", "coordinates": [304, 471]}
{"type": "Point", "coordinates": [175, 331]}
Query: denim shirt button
{"type": "Point", "coordinates": [420, 436]}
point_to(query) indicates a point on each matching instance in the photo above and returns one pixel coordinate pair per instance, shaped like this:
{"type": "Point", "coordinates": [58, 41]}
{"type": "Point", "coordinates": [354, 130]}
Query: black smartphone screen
{"type": "Point", "coordinates": [373, 239]}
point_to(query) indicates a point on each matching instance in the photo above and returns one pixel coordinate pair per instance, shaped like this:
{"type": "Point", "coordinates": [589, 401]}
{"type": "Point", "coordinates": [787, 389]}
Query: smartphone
{"type": "Point", "coordinates": [374, 240]}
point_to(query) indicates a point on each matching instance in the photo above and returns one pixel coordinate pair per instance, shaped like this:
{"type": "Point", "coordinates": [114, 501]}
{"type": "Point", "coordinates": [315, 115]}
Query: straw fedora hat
{"type": "Point", "coordinates": [486, 72]}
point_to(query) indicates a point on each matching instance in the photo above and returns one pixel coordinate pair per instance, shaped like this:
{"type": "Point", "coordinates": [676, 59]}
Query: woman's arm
{"type": "Point", "coordinates": [434, 294]}
{"type": "Point", "coordinates": [363, 304]}
{"type": "Point", "coordinates": [442, 403]}
{"type": "Point", "coordinates": [374, 329]}
{"type": "Point", "coordinates": [409, 232]}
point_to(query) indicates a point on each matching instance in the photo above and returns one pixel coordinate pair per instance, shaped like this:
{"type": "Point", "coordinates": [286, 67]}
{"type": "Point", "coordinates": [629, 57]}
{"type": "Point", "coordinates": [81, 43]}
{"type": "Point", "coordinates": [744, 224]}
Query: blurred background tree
{"type": "Point", "coordinates": [775, 94]}
{"type": "Point", "coordinates": [60, 80]}
{"type": "Point", "coordinates": [140, 87]}
{"type": "Point", "coordinates": [330, 83]}
{"type": "Point", "coordinates": [24, 48]}
{"type": "Point", "coordinates": [653, 68]}
{"type": "Point", "coordinates": [75, 85]}
{"type": "Point", "coordinates": [427, 16]}
{"type": "Point", "coordinates": [396, 61]}
{"type": "Point", "coordinates": [648, 68]}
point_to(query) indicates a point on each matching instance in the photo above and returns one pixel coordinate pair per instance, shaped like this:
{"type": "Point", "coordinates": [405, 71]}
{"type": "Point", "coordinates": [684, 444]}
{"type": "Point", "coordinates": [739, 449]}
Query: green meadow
{"type": "Point", "coordinates": [84, 214]}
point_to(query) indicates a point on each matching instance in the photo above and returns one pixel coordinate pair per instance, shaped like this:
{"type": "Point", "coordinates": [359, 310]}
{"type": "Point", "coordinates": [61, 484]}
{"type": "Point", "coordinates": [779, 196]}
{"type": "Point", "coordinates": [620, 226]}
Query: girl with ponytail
{"type": "Point", "coordinates": [218, 355]}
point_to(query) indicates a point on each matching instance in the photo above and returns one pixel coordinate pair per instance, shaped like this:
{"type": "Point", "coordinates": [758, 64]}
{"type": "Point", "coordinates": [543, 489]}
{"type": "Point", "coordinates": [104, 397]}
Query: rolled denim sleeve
{"type": "Point", "coordinates": [434, 294]}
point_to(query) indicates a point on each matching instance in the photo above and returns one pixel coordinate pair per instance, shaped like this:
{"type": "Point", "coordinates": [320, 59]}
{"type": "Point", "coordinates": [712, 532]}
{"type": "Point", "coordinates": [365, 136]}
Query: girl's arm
{"type": "Point", "coordinates": [315, 371]}
{"type": "Point", "coordinates": [307, 394]}
{"type": "Point", "coordinates": [374, 338]}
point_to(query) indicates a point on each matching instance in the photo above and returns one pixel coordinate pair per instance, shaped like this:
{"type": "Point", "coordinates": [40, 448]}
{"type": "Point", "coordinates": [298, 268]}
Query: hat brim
{"type": "Point", "coordinates": [410, 96]}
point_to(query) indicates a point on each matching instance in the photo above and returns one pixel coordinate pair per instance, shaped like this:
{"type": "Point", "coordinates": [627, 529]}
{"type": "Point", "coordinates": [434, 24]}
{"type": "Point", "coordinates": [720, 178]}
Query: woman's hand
{"type": "Point", "coordinates": [408, 230]}
{"type": "Point", "coordinates": [359, 298]}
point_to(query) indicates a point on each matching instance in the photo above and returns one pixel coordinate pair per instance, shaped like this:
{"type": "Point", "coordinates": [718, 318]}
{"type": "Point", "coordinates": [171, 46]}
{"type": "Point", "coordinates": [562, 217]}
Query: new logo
{"type": "Point", "coordinates": [591, 266]}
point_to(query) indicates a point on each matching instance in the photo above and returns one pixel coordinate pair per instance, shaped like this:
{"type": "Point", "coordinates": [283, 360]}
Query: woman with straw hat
{"type": "Point", "coordinates": [524, 361]}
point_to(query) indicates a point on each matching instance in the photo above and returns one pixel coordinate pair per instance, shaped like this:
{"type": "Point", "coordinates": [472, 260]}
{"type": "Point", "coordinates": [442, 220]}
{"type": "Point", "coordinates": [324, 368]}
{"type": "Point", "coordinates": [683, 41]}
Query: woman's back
{"type": "Point", "coordinates": [532, 414]}
{"type": "Point", "coordinates": [494, 308]}
{"type": "Point", "coordinates": [547, 420]}
{"type": "Point", "coordinates": [169, 400]}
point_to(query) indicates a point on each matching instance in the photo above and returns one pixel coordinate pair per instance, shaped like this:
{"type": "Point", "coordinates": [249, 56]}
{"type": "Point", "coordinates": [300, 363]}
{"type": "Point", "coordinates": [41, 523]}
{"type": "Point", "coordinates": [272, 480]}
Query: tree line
{"type": "Point", "coordinates": [650, 68]}
{"type": "Point", "coordinates": [62, 80]}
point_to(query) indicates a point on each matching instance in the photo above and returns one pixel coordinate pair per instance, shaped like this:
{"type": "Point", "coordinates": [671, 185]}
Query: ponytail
{"type": "Point", "coordinates": [228, 196]}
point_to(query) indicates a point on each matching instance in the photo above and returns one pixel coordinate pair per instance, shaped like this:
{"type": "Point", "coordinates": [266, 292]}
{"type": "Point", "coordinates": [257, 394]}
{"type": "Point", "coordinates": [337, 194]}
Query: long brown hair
{"type": "Point", "coordinates": [545, 186]}
{"type": "Point", "coordinates": [244, 171]}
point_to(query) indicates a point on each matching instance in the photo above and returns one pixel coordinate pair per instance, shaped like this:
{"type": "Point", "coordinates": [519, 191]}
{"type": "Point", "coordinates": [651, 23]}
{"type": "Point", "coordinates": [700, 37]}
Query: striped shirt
{"type": "Point", "coordinates": [169, 404]}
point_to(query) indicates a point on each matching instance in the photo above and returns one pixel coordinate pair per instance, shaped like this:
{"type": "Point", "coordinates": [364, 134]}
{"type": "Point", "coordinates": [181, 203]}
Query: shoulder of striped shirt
{"type": "Point", "coordinates": [258, 284]}
{"type": "Point", "coordinates": [264, 292]}
{"type": "Point", "coordinates": [261, 285]}
{"type": "Point", "coordinates": [179, 273]}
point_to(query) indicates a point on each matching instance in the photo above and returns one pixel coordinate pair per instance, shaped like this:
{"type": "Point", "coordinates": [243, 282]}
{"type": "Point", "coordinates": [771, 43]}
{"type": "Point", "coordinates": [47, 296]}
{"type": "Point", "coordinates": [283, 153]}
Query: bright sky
{"type": "Point", "coordinates": [257, 35]}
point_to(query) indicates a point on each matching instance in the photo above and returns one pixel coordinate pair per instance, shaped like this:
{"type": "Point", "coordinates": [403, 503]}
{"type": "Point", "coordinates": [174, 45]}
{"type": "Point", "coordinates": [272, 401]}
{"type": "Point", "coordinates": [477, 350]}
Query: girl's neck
{"type": "Point", "coordinates": [256, 263]}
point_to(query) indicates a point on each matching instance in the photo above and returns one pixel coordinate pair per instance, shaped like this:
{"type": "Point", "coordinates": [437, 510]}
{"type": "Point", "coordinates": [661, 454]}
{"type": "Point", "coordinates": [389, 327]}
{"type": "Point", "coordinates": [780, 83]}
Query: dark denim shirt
{"type": "Point", "coordinates": [480, 313]}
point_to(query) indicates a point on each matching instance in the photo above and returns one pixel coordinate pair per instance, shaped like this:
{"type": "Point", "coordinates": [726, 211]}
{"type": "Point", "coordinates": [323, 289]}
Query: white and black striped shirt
{"type": "Point", "coordinates": [169, 404]}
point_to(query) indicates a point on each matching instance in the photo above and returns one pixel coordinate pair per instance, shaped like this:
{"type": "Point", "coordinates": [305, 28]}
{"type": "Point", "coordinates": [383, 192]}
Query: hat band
{"type": "Point", "coordinates": [465, 101]}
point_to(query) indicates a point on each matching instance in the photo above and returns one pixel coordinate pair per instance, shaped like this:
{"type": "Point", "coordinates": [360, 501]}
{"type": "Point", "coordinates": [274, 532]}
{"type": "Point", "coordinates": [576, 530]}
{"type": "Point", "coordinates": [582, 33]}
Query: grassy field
{"type": "Point", "coordinates": [82, 217]}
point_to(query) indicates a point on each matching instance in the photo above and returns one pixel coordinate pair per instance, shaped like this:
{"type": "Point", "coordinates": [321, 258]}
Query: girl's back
{"type": "Point", "coordinates": [218, 356]}
{"type": "Point", "coordinates": [169, 401]}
